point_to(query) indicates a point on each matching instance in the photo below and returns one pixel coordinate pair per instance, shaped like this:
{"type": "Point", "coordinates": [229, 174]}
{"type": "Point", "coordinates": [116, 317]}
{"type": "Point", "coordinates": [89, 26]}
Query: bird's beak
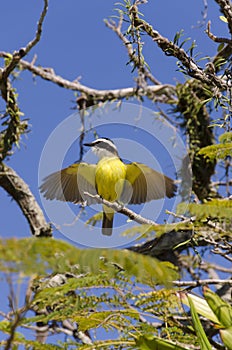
{"type": "Point", "coordinates": [88, 144]}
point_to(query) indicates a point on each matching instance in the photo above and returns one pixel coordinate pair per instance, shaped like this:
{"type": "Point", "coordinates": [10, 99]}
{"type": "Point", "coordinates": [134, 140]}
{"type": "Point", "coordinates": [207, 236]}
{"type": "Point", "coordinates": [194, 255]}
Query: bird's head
{"type": "Point", "coordinates": [103, 147]}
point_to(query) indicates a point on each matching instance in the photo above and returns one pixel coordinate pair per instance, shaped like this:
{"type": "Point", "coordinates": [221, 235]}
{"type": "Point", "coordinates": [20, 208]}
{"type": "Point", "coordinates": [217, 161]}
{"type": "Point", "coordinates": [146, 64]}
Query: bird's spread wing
{"type": "Point", "coordinates": [71, 183]}
{"type": "Point", "coordinates": [147, 184]}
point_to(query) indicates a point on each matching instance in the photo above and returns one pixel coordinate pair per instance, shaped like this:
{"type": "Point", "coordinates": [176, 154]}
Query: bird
{"type": "Point", "coordinates": [111, 178]}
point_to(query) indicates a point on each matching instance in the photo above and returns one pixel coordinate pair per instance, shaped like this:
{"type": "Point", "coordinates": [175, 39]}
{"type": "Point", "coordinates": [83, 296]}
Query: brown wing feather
{"type": "Point", "coordinates": [148, 184]}
{"type": "Point", "coordinates": [69, 184]}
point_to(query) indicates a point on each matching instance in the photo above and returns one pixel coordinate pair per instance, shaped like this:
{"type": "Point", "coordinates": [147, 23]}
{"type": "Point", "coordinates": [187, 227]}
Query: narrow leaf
{"type": "Point", "coordinates": [200, 304]}
{"type": "Point", "coordinates": [226, 336]}
{"type": "Point", "coordinates": [221, 309]}
{"type": "Point", "coordinates": [223, 19]}
{"type": "Point", "coordinates": [155, 343]}
{"type": "Point", "coordinates": [204, 343]}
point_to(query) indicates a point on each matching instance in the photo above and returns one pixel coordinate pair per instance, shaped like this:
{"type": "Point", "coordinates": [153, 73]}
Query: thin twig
{"type": "Point", "coordinates": [208, 265]}
{"type": "Point", "coordinates": [130, 50]}
{"type": "Point", "coordinates": [151, 91]}
{"type": "Point", "coordinates": [122, 210]}
{"type": "Point", "coordinates": [18, 55]}
{"type": "Point", "coordinates": [18, 314]}
{"type": "Point", "coordinates": [201, 282]}
{"type": "Point", "coordinates": [215, 38]}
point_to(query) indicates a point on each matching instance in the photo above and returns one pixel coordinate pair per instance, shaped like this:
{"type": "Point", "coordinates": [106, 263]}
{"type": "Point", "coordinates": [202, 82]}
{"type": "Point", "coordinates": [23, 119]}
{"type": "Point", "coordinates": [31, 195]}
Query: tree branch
{"type": "Point", "coordinates": [17, 55]}
{"type": "Point", "coordinates": [18, 314]}
{"type": "Point", "coordinates": [169, 48]}
{"type": "Point", "coordinates": [226, 9]}
{"type": "Point", "coordinates": [122, 210]}
{"type": "Point", "coordinates": [151, 91]}
{"type": "Point", "coordinates": [14, 185]}
{"type": "Point", "coordinates": [215, 38]}
{"type": "Point", "coordinates": [15, 127]}
{"type": "Point", "coordinates": [201, 282]}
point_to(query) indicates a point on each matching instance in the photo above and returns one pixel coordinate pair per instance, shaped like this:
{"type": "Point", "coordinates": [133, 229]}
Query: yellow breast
{"type": "Point", "coordinates": [109, 178]}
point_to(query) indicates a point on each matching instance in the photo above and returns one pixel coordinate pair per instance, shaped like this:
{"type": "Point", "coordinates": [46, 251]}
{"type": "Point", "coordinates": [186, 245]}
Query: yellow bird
{"type": "Point", "coordinates": [110, 178]}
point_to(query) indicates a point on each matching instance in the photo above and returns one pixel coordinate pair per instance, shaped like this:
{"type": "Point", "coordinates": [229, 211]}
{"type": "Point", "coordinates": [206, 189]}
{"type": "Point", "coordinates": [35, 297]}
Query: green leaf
{"type": "Point", "coordinates": [220, 47]}
{"type": "Point", "coordinates": [5, 326]}
{"type": "Point", "coordinates": [178, 35]}
{"type": "Point", "coordinates": [43, 255]}
{"type": "Point", "coordinates": [87, 320]}
{"type": "Point", "coordinates": [192, 47]}
{"type": "Point", "coordinates": [200, 304]}
{"type": "Point", "coordinates": [226, 137]}
{"type": "Point", "coordinates": [35, 345]}
{"type": "Point", "coordinates": [183, 42]}
{"type": "Point", "coordinates": [216, 208]}
{"type": "Point", "coordinates": [219, 151]}
{"type": "Point", "coordinates": [156, 343]}
{"type": "Point", "coordinates": [94, 319]}
{"type": "Point", "coordinates": [226, 336]}
{"type": "Point", "coordinates": [145, 230]}
{"type": "Point", "coordinates": [221, 309]}
{"type": "Point", "coordinates": [94, 219]}
{"type": "Point", "coordinates": [223, 19]}
{"type": "Point", "coordinates": [204, 343]}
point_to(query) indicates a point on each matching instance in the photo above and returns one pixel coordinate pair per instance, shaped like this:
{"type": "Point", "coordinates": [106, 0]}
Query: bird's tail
{"type": "Point", "coordinates": [107, 222]}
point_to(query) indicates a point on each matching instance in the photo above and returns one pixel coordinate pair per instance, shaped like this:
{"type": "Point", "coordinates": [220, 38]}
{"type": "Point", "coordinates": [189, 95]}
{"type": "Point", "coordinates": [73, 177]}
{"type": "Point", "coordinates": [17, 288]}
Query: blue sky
{"type": "Point", "coordinates": [76, 43]}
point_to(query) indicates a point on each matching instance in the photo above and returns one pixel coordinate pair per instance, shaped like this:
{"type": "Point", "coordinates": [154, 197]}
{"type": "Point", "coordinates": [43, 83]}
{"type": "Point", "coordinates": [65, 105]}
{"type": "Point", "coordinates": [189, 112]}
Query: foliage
{"type": "Point", "coordinates": [32, 256]}
{"type": "Point", "coordinates": [204, 342]}
{"type": "Point", "coordinates": [151, 343]}
{"type": "Point", "coordinates": [215, 209]}
{"type": "Point", "coordinates": [219, 151]}
{"type": "Point", "coordinates": [195, 120]}
{"type": "Point", "coordinates": [67, 283]}
{"type": "Point", "coordinates": [215, 309]}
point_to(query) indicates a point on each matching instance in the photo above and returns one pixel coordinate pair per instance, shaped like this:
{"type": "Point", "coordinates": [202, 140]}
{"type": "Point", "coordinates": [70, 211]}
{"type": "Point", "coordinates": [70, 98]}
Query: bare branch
{"type": "Point", "coordinates": [222, 183]}
{"type": "Point", "coordinates": [215, 38]}
{"type": "Point", "coordinates": [151, 91]}
{"type": "Point", "coordinates": [32, 43]}
{"type": "Point", "coordinates": [14, 185]}
{"type": "Point", "coordinates": [223, 254]}
{"type": "Point", "coordinates": [17, 55]}
{"type": "Point", "coordinates": [208, 265]}
{"type": "Point", "coordinates": [18, 314]}
{"type": "Point", "coordinates": [201, 282]}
